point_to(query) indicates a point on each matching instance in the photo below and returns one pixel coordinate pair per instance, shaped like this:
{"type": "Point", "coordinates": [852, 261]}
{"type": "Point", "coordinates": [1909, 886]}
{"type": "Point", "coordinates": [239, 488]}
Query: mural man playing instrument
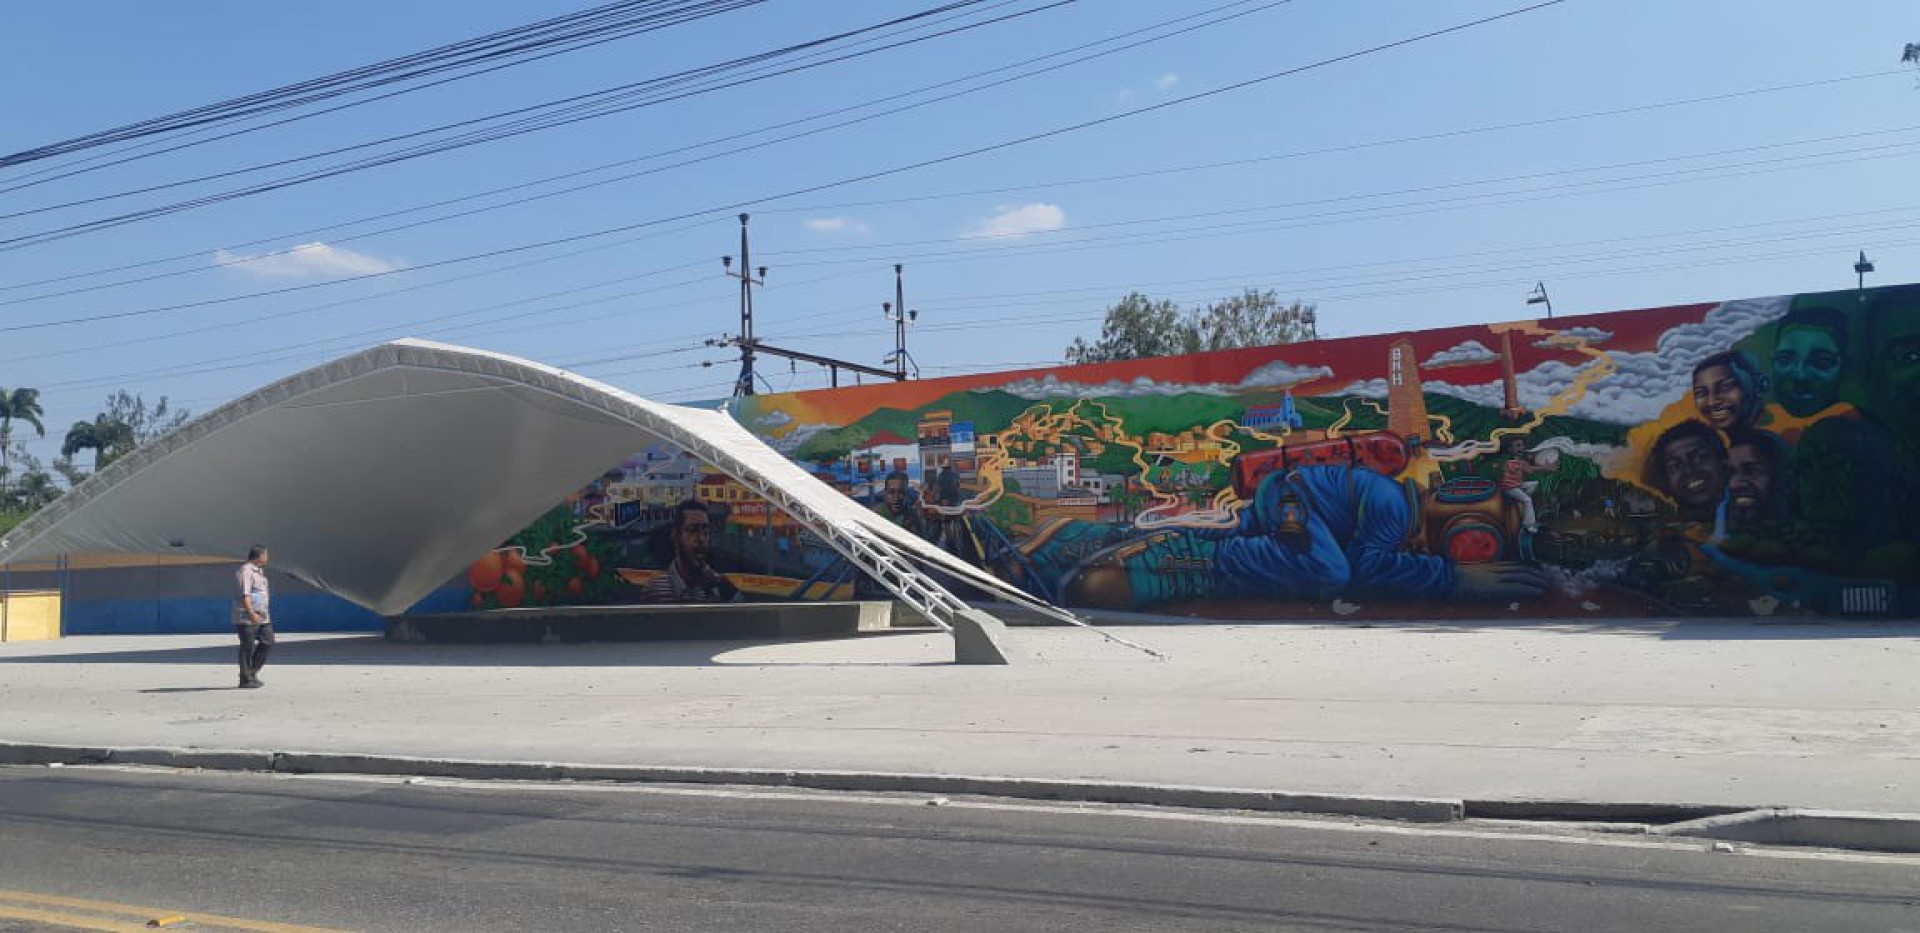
{"type": "Point", "coordinates": [689, 578]}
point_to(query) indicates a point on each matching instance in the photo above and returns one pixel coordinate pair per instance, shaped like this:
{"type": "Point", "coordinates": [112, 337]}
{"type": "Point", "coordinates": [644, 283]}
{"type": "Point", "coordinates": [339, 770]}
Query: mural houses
{"type": "Point", "coordinates": [1751, 457]}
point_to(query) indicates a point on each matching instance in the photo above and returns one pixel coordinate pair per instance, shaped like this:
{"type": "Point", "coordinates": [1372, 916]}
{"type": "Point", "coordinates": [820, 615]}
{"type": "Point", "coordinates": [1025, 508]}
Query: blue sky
{"type": "Point", "coordinates": [1009, 254]}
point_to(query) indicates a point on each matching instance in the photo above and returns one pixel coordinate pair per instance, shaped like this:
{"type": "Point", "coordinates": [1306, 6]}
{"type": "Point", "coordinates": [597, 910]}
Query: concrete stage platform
{"type": "Point", "coordinates": [645, 623]}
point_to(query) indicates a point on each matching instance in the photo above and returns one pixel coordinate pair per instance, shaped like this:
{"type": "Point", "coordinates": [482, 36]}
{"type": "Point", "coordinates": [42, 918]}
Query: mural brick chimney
{"type": "Point", "coordinates": [1406, 403]}
{"type": "Point", "coordinates": [1511, 410]}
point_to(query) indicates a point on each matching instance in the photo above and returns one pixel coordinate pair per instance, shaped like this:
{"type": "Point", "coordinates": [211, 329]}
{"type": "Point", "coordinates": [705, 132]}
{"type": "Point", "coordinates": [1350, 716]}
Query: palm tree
{"type": "Point", "coordinates": [21, 404]}
{"type": "Point", "coordinates": [35, 490]}
{"type": "Point", "coordinates": [108, 437]}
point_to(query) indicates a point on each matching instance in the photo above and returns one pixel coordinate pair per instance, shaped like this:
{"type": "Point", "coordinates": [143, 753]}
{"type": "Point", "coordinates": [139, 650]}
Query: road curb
{"type": "Point", "coordinates": [1882, 832]}
{"type": "Point", "coordinates": [1404, 809]}
{"type": "Point", "coordinates": [1794, 826]}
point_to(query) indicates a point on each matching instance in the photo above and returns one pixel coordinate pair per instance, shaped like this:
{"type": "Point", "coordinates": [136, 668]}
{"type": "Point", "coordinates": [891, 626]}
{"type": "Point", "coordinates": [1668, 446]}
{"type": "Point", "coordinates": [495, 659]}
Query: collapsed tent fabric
{"type": "Point", "coordinates": [379, 476]}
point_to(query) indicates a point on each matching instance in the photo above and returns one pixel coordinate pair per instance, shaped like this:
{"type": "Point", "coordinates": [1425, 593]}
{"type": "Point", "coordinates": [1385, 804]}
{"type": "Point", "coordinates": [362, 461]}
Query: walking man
{"type": "Point", "coordinates": [251, 616]}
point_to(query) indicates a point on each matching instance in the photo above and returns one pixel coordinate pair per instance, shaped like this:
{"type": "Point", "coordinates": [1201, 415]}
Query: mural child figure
{"type": "Point", "coordinates": [900, 505]}
{"type": "Point", "coordinates": [1513, 479]}
{"type": "Point", "coordinates": [1729, 390]}
{"type": "Point", "coordinates": [1688, 464]}
{"type": "Point", "coordinates": [689, 578]}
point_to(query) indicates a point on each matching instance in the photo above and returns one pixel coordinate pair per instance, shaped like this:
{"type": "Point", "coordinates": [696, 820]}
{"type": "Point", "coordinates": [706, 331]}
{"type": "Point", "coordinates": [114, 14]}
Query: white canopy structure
{"type": "Point", "coordinates": [379, 476]}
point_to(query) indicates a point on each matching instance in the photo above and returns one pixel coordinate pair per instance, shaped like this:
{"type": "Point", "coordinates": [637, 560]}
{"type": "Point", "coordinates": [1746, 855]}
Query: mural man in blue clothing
{"type": "Point", "coordinates": [1314, 533]}
{"type": "Point", "coordinates": [1353, 542]}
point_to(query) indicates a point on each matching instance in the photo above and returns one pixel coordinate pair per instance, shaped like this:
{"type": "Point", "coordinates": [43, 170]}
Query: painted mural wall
{"type": "Point", "coordinates": [1752, 457]}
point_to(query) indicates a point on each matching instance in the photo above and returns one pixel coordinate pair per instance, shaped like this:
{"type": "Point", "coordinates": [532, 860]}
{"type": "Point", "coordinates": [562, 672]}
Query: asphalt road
{"type": "Point", "coordinates": [283, 854]}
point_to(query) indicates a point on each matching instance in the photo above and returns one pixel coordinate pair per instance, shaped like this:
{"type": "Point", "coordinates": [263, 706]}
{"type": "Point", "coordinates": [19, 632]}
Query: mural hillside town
{"type": "Point", "coordinates": [1752, 457]}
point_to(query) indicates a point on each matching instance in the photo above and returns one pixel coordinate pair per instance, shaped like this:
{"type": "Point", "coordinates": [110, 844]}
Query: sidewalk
{"type": "Point", "coordinates": [1717, 714]}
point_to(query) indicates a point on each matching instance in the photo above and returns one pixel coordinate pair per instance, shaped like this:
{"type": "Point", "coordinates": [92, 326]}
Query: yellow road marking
{"type": "Point", "coordinates": [88, 923]}
{"type": "Point", "coordinates": [71, 921]}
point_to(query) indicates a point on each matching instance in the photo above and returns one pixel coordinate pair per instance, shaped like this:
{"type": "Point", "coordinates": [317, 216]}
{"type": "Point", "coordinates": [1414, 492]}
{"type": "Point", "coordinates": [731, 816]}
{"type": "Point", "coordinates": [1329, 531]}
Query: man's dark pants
{"type": "Point", "coordinates": [255, 643]}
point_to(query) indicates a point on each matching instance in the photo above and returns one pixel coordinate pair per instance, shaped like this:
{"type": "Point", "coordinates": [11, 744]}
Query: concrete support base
{"type": "Point", "coordinates": [645, 623]}
{"type": "Point", "coordinates": [979, 638]}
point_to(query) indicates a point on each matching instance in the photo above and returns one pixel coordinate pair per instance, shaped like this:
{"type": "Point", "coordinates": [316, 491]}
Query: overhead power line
{"type": "Point", "coordinates": [543, 116]}
{"type": "Point", "coordinates": [1211, 17]}
{"type": "Point", "coordinates": [824, 186]}
{"type": "Point", "coordinates": [497, 50]}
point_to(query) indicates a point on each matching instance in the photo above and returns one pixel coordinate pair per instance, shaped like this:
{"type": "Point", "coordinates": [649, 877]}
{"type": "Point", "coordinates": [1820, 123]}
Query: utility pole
{"type": "Point", "coordinates": [1861, 269]}
{"type": "Point", "coordinates": [751, 346]}
{"type": "Point", "coordinates": [896, 311]}
{"type": "Point", "coordinates": [744, 385]}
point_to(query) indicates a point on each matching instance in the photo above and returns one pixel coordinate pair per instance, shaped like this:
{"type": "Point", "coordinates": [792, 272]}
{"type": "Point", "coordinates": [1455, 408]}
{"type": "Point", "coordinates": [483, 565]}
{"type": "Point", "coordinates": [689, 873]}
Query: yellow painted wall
{"type": "Point", "coordinates": [30, 615]}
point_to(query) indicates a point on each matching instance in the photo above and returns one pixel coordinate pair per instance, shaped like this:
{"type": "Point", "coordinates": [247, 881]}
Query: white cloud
{"type": "Point", "coordinates": [308, 260]}
{"type": "Point", "coordinates": [1166, 82]}
{"type": "Point", "coordinates": [838, 225]}
{"type": "Point", "coordinates": [1020, 221]}
{"type": "Point", "coordinates": [1466, 354]}
{"type": "Point", "coordinates": [775, 419]}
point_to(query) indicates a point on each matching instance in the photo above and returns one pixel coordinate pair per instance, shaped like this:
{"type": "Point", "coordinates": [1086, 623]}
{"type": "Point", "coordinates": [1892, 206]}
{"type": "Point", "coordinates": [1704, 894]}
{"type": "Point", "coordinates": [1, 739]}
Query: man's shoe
{"type": "Point", "coordinates": [248, 682]}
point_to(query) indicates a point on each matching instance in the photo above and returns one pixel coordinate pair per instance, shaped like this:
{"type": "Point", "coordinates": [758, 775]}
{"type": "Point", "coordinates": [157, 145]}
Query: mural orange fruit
{"type": "Point", "coordinates": [513, 561]}
{"type": "Point", "coordinates": [512, 590]}
{"type": "Point", "coordinates": [484, 575]}
{"type": "Point", "coordinates": [574, 587]}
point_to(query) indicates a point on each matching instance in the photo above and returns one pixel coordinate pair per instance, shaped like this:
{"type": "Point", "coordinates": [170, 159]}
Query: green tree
{"type": "Point", "coordinates": [17, 405]}
{"type": "Point", "coordinates": [106, 436]}
{"type": "Point", "coordinates": [35, 490]}
{"type": "Point", "coordinates": [1138, 327]}
{"type": "Point", "coordinates": [1253, 319]}
{"type": "Point", "coordinates": [145, 423]}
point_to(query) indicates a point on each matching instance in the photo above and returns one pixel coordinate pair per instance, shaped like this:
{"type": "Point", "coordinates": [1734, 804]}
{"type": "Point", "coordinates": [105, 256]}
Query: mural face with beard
{"type": "Point", "coordinates": [1757, 465]}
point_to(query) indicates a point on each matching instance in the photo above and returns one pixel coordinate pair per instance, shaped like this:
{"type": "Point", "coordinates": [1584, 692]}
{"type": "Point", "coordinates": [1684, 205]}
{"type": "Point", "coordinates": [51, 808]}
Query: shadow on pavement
{"type": "Point", "coordinates": [372, 651]}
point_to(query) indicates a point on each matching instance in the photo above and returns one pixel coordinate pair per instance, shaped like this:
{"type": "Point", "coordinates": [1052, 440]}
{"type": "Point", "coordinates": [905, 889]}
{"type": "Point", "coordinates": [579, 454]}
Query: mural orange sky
{"type": "Point", "coordinates": [1350, 359]}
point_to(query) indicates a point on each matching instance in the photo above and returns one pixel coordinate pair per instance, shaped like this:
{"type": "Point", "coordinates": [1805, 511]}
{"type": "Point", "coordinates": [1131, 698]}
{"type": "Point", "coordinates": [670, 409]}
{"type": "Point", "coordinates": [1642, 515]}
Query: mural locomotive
{"type": "Point", "coordinates": [1750, 457]}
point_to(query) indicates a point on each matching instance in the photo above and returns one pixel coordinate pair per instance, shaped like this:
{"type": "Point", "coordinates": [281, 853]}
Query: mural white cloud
{"type": "Point", "coordinates": [1642, 384]}
{"type": "Point", "coordinates": [308, 260]}
{"type": "Point", "coordinates": [1020, 220]}
{"type": "Point", "coordinates": [1592, 336]}
{"type": "Point", "coordinates": [1278, 374]}
{"type": "Point", "coordinates": [1465, 354]}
